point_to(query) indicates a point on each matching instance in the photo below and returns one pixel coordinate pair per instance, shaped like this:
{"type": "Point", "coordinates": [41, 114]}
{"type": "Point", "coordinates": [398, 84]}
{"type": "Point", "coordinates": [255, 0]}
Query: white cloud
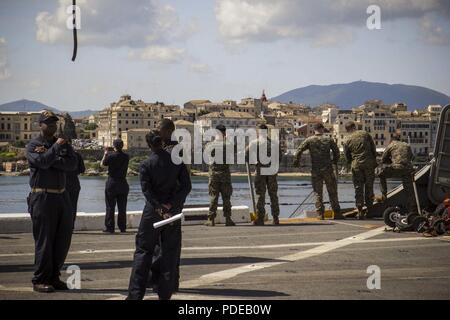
{"type": "Point", "coordinates": [4, 71]}
{"type": "Point", "coordinates": [112, 23]}
{"type": "Point", "coordinates": [326, 22]}
{"type": "Point", "coordinates": [434, 31]}
{"type": "Point", "coordinates": [159, 54]}
{"type": "Point", "coordinates": [201, 68]}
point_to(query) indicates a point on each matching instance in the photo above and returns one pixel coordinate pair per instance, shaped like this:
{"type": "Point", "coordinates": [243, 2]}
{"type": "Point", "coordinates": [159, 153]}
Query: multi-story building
{"type": "Point", "coordinates": [291, 143]}
{"type": "Point", "coordinates": [193, 104]}
{"type": "Point", "coordinates": [419, 128]}
{"type": "Point", "coordinates": [248, 105]}
{"type": "Point", "coordinates": [378, 119]}
{"type": "Point", "coordinates": [187, 125]}
{"type": "Point", "coordinates": [19, 126]}
{"type": "Point", "coordinates": [93, 118]}
{"type": "Point", "coordinates": [290, 109]}
{"type": "Point", "coordinates": [308, 127]}
{"type": "Point", "coordinates": [399, 107]}
{"type": "Point", "coordinates": [417, 132]}
{"type": "Point", "coordinates": [287, 124]}
{"type": "Point", "coordinates": [343, 117]}
{"type": "Point", "coordinates": [192, 113]}
{"type": "Point", "coordinates": [434, 112]}
{"type": "Point", "coordinates": [135, 139]}
{"type": "Point", "coordinates": [230, 119]}
{"type": "Point", "coordinates": [127, 114]}
{"type": "Point", "coordinates": [206, 106]}
{"type": "Point", "coordinates": [330, 115]}
{"type": "Point", "coordinates": [180, 115]}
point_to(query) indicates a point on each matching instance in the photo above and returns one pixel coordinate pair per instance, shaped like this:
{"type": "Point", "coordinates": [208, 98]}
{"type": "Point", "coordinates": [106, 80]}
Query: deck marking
{"type": "Point", "coordinates": [197, 239]}
{"type": "Point", "coordinates": [365, 226]}
{"type": "Point", "coordinates": [219, 276]}
{"type": "Point", "coordinates": [16, 289]}
{"type": "Point", "coordinates": [275, 246]}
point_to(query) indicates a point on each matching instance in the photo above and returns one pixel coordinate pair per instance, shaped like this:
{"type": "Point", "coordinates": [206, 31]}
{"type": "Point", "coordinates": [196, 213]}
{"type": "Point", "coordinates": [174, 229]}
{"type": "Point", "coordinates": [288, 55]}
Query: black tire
{"type": "Point", "coordinates": [411, 217]}
{"type": "Point", "coordinates": [439, 227]}
{"type": "Point", "coordinates": [403, 225]}
{"type": "Point", "coordinates": [391, 216]}
{"type": "Point", "coordinates": [420, 224]}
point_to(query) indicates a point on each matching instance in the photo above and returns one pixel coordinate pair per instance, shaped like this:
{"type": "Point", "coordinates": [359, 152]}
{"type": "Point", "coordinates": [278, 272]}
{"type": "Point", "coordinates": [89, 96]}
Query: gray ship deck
{"type": "Point", "coordinates": [301, 259]}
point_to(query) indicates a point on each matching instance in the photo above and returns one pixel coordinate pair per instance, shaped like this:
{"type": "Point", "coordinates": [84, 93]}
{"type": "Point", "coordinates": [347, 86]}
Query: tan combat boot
{"type": "Point", "coordinates": [210, 222]}
{"type": "Point", "coordinates": [361, 215]}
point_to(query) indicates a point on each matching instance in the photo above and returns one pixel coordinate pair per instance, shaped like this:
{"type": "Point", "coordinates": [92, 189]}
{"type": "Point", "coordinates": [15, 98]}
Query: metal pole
{"type": "Point", "coordinates": [302, 203]}
{"type": "Point", "coordinates": [250, 183]}
{"type": "Point", "coordinates": [416, 195]}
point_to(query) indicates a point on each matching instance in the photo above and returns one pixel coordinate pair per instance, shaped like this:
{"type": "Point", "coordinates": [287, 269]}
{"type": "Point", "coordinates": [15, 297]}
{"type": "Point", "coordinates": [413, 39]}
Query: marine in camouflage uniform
{"type": "Point", "coordinates": [361, 155]}
{"type": "Point", "coordinates": [265, 182]}
{"type": "Point", "coordinates": [219, 181]}
{"type": "Point", "coordinates": [397, 163]}
{"type": "Point", "coordinates": [320, 148]}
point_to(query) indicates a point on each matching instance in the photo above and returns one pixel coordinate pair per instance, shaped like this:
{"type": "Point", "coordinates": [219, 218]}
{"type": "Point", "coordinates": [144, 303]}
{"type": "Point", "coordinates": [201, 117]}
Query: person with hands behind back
{"type": "Point", "coordinates": [165, 186]}
{"type": "Point", "coordinates": [117, 188]}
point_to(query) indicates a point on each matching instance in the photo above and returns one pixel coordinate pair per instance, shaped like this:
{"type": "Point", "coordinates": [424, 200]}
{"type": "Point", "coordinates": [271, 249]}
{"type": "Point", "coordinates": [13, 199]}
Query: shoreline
{"type": "Point", "coordinates": [244, 174]}
{"type": "Point", "coordinates": [193, 174]}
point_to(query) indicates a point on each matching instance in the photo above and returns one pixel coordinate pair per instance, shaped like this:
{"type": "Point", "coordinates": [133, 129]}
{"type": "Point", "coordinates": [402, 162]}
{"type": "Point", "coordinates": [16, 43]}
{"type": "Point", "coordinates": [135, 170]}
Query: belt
{"type": "Point", "coordinates": [57, 191]}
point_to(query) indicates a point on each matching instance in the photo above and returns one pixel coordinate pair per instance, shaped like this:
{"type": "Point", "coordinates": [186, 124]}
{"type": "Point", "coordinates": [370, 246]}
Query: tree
{"type": "Point", "coordinates": [69, 127]}
{"type": "Point", "coordinates": [19, 144]}
{"type": "Point", "coordinates": [90, 127]}
{"type": "Point", "coordinates": [202, 113]}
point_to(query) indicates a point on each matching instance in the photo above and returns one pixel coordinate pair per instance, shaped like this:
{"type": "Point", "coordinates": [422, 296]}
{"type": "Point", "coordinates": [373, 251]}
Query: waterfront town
{"type": "Point", "coordinates": [116, 117]}
{"type": "Point", "coordinates": [131, 119]}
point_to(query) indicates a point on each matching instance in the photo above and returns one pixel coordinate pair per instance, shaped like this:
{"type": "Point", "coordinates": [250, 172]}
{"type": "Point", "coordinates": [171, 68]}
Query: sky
{"type": "Point", "coordinates": [178, 50]}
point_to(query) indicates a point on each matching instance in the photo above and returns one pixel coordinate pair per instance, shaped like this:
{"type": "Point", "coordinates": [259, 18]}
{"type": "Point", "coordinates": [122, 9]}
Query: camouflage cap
{"type": "Point", "coordinates": [318, 126]}
{"type": "Point", "coordinates": [48, 116]}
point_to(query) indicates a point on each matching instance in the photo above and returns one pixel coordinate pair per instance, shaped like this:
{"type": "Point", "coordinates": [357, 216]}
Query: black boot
{"type": "Point", "coordinates": [338, 215]}
{"type": "Point", "coordinates": [229, 222]}
{"type": "Point", "coordinates": [259, 222]}
{"type": "Point", "coordinates": [43, 288]}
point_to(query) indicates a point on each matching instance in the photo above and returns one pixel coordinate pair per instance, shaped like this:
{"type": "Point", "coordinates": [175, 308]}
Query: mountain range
{"type": "Point", "coordinates": [354, 94]}
{"type": "Point", "coordinates": [35, 106]}
{"type": "Point", "coordinates": [345, 96]}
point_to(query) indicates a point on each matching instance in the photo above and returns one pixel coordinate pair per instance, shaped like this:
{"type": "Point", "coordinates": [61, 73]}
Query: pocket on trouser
{"type": "Point", "coordinates": [226, 188]}
{"type": "Point", "coordinates": [272, 185]}
{"type": "Point", "coordinates": [31, 200]}
{"type": "Point", "coordinates": [28, 203]}
{"type": "Point", "coordinates": [34, 198]}
{"type": "Point", "coordinates": [213, 189]}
